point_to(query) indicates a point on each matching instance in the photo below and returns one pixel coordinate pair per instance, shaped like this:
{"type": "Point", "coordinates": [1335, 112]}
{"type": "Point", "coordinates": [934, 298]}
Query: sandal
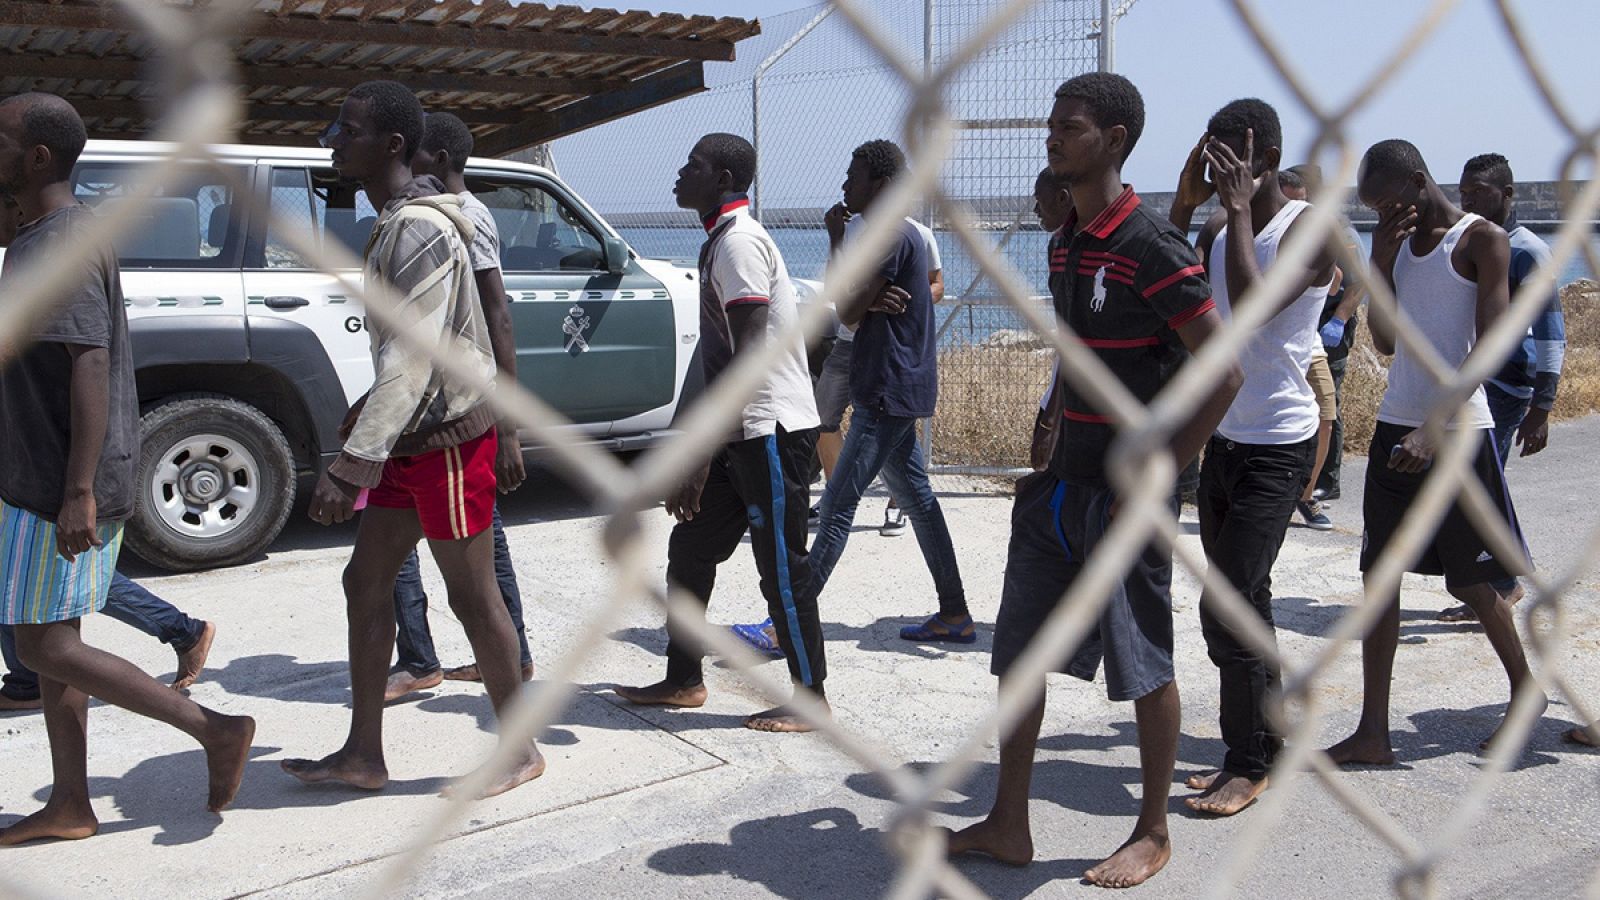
{"type": "Point", "coordinates": [760, 636]}
{"type": "Point", "coordinates": [938, 631]}
{"type": "Point", "coordinates": [1462, 613]}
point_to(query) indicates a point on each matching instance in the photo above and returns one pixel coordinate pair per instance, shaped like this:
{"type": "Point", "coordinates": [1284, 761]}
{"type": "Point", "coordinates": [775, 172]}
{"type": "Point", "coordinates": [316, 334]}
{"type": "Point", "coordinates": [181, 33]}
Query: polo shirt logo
{"type": "Point", "coordinates": [1098, 302]}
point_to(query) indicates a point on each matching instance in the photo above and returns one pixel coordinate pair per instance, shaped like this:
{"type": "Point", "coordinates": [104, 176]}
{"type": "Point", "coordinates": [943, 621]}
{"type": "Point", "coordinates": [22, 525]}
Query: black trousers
{"type": "Point", "coordinates": [1247, 494]}
{"type": "Point", "coordinates": [761, 486]}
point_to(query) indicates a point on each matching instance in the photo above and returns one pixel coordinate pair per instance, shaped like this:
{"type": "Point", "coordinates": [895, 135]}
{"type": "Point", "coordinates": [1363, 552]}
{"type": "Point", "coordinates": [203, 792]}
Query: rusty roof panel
{"type": "Point", "coordinates": [501, 65]}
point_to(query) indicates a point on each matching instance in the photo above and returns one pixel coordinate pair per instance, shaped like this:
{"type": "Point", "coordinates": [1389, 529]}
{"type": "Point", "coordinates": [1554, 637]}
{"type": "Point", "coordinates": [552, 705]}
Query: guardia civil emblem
{"type": "Point", "coordinates": [574, 327]}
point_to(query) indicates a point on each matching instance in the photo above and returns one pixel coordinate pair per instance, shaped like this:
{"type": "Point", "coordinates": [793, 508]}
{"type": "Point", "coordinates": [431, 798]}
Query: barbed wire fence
{"type": "Point", "coordinates": [202, 110]}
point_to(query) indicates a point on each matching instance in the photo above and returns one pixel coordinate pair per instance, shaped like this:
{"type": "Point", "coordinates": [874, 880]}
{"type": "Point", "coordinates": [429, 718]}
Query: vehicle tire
{"type": "Point", "coordinates": [214, 484]}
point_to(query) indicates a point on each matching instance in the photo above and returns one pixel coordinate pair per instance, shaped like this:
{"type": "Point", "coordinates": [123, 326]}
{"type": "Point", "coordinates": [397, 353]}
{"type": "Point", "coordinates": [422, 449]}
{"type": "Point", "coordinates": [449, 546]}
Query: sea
{"type": "Point", "coordinates": [805, 251]}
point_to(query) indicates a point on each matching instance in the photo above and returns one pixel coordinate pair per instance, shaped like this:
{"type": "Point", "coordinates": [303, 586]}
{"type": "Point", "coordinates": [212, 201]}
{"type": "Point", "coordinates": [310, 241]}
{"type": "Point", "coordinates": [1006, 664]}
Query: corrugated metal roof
{"type": "Point", "coordinates": [519, 73]}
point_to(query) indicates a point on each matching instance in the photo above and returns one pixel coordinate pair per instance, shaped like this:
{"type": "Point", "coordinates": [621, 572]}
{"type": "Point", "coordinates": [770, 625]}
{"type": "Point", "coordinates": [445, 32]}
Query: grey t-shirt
{"type": "Point", "coordinates": [485, 247]}
{"type": "Point", "coordinates": [35, 388]}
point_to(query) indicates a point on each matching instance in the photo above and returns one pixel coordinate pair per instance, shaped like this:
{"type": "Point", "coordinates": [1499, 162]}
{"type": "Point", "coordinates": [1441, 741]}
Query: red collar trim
{"type": "Point", "coordinates": [728, 208]}
{"type": "Point", "coordinates": [1110, 218]}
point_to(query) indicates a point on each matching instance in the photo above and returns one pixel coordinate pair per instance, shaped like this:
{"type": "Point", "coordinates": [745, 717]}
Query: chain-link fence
{"type": "Point", "coordinates": [202, 106]}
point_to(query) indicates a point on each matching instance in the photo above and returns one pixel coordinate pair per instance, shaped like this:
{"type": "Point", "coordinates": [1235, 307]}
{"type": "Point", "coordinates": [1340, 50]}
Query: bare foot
{"type": "Point", "coordinates": [1227, 794]}
{"type": "Point", "coordinates": [61, 823]}
{"type": "Point", "coordinates": [1202, 781]}
{"type": "Point", "coordinates": [1581, 736]}
{"type": "Point", "coordinates": [779, 720]}
{"type": "Point", "coordinates": [1009, 844]}
{"type": "Point", "coordinates": [1133, 862]}
{"type": "Point", "coordinates": [1544, 704]}
{"type": "Point", "coordinates": [192, 661]}
{"type": "Point", "coordinates": [529, 768]}
{"type": "Point", "coordinates": [226, 755]}
{"type": "Point", "coordinates": [471, 672]}
{"type": "Point", "coordinates": [1362, 749]}
{"type": "Point", "coordinates": [664, 694]}
{"type": "Point", "coordinates": [403, 682]}
{"type": "Point", "coordinates": [368, 775]}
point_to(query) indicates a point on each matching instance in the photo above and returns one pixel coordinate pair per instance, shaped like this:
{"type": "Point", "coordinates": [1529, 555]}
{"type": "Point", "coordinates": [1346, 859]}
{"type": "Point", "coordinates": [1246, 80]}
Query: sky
{"type": "Point", "coordinates": [1464, 93]}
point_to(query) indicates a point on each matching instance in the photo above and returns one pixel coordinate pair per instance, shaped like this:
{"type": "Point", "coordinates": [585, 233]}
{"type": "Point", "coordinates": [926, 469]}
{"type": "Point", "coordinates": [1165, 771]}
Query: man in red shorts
{"type": "Point", "coordinates": [422, 443]}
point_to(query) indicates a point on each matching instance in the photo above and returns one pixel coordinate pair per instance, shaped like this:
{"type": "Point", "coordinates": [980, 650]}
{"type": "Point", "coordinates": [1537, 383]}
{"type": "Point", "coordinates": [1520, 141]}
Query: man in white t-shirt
{"type": "Point", "coordinates": [446, 144]}
{"type": "Point", "coordinates": [757, 480]}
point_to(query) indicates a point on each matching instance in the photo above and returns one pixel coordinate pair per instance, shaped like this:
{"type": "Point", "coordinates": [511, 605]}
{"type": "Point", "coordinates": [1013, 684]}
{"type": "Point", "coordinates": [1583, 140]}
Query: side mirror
{"type": "Point", "coordinates": [616, 255]}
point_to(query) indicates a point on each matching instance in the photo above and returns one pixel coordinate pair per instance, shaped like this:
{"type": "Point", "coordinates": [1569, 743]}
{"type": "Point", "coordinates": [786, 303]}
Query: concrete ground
{"type": "Point", "coordinates": [648, 803]}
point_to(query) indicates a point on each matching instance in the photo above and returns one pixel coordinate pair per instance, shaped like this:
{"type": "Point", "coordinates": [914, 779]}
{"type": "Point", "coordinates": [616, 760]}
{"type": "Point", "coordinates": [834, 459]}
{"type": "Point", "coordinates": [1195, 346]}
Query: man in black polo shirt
{"type": "Point", "coordinates": [1132, 290]}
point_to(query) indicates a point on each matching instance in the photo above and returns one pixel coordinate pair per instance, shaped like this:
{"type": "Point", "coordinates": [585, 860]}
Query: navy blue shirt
{"type": "Point", "coordinates": [893, 364]}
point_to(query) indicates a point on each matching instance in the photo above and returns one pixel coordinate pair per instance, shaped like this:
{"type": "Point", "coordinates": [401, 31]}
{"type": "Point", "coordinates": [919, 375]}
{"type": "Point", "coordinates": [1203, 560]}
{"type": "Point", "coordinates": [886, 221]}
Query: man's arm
{"type": "Point", "coordinates": [936, 285]}
{"type": "Point", "coordinates": [1489, 254]}
{"type": "Point", "coordinates": [1549, 352]}
{"type": "Point", "coordinates": [510, 471]}
{"type": "Point", "coordinates": [90, 400]}
{"type": "Point", "coordinates": [1395, 226]}
{"type": "Point", "coordinates": [1188, 440]}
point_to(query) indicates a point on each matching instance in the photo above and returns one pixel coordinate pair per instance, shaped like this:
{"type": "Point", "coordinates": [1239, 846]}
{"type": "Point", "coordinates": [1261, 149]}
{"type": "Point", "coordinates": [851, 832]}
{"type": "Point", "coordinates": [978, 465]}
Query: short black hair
{"type": "Point", "coordinates": [445, 131]}
{"type": "Point", "coordinates": [733, 153]}
{"type": "Point", "coordinates": [884, 159]}
{"type": "Point", "coordinates": [1394, 158]}
{"type": "Point", "coordinates": [395, 110]}
{"type": "Point", "coordinates": [1492, 167]}
{"type": "Point", "coordinates": [1047, 177]}
{"type": "Point", "coordinates": [1310, 174]}
{"type": "Point", "coordinates": [1289, 178]}
{"type": "Point", "coordinates": [51, 121]}
{"type": "Point", "coordinates": [1234, 119]}
{"type": "Point", "coordinates": [1112, 100]}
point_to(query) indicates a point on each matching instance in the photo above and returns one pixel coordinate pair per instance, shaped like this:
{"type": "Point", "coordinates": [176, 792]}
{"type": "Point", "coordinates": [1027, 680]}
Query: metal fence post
{"type": "Point", "coordinates": [755, 98]}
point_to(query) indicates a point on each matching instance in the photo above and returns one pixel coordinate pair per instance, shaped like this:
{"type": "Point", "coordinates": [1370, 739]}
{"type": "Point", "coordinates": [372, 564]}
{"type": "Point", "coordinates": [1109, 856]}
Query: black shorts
{"type": "Point", "coordinates": [1456, 550]}
{"type": "Point", "coordinates": [1055, 525]}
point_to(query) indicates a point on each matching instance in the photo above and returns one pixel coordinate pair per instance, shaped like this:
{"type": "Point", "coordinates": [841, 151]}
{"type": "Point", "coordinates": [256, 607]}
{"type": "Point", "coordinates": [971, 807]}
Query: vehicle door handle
{"type": "Point", "coordinates": [285, 302]}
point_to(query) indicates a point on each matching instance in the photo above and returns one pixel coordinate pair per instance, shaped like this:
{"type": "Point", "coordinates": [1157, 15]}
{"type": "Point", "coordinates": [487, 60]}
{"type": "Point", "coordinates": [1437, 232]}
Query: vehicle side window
{"type": "Point", "coordinates": [190, 223]}
{"type": "Point", "coordinates": [324, 208]}
{"type": "Point", "coordinates": [538, 232]}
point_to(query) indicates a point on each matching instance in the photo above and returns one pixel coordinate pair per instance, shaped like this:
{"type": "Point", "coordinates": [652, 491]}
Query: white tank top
{"type": "Point", "coordinates": [1445, 308]}
{"type": "Point", "coordinates": [1275, 405]}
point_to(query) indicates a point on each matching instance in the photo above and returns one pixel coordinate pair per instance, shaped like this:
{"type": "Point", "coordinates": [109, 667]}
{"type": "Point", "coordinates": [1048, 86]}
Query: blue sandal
{"type": "Point", "coordinates": [938, 631]}
{"type": "Point", "coordinates": [759, 637]}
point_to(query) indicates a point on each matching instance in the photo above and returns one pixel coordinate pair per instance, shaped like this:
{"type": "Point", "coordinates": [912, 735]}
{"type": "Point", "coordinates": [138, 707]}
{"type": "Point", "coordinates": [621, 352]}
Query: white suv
{"type": "Point", "coordinates": [247, 358]}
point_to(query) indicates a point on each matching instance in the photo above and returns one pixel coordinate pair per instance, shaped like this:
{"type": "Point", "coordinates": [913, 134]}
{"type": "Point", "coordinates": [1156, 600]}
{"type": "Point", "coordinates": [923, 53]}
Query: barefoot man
{"type": "Point", "coordinates": [69, 435]}
{"type": "Point", "coordinates": [1260, 459]}
{"type": "Point", "coordinates": [421, 443]}
{"type": "Point", "coordinates": [757, 482]}
{"type": "Point", "coordinates": [1448, 270]}
{"type": "Point", "coordinates": [1132, 290]}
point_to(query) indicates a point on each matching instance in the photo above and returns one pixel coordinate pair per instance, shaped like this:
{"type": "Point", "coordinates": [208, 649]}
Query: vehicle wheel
{"type": "Point", "coordinates": [214, 484]}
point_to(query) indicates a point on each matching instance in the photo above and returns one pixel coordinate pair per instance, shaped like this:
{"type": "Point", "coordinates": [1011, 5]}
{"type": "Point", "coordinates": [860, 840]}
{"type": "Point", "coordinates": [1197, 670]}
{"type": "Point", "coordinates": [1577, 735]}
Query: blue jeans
{"type": "Point", "coordinates": [888, 444]}
{"type": "Point", "coordinates": [413, 639]}
{"type": "Point", "coordinates": [129, 604]}
{"type": "Point", "coordinates": [1508, 411]}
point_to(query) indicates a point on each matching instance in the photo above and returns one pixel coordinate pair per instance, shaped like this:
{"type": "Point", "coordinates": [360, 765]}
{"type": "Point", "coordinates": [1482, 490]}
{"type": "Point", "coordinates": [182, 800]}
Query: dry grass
{"type": "Point", "coordinates": [989, 395]}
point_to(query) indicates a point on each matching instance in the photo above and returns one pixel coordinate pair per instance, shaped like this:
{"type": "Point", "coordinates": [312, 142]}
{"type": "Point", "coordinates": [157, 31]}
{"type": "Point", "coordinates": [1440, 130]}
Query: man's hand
{"type": "Point", "coordinates": [333, 501]}
{"type": "Point", "coordinates": [890, 301]}
{"type": "Point", "coordinates": [350, 417]}
{"type": "Point", "coordinates": [1043, 445]}
{"type": "Point", "coordinates": [75, 526]}
{"type": "Point", "coordinates": [686, 502]}
{"type": "Point", "coordinates": [1234, 181]}
{"type": "Point", "coordinates": [1193, 188]}
{"type": "Point", "coordinates": [1395, 226]}
{"type": "Point", "coordinates": [834, 220]}
{"type": "Point", "coordinates": [1534, 432]}
{"type": "Point", "coordinates": [1413, 454]}
{"type": "Point", "coordinates": [509, 469]}
{"type": "Point", "coordinates": [1332, 332]}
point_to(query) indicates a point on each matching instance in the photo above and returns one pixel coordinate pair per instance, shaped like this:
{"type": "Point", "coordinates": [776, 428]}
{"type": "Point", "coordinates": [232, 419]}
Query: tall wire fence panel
{"type": "Point", "coordinates": [808, 91]}
{"type": "Point", "coordinates": [202, 107]}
